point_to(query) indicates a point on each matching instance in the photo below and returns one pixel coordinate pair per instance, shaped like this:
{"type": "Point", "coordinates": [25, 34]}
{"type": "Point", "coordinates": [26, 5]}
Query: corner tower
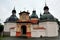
{"type": "Point", "coordinates": [34, 17]}
{"type": "Point", "coordinates": [48, 21]}
{"type": "Point", "coordinates": [10, 24]}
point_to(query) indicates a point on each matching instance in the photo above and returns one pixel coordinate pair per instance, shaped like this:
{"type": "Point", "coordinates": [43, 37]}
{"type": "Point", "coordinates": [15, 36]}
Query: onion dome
{"type": "Point", "coordinates": [13, 17]}
{"type": "Point", "coordinates": [34, 15]}
{"type": "Point", "coordinates": [47, 16]}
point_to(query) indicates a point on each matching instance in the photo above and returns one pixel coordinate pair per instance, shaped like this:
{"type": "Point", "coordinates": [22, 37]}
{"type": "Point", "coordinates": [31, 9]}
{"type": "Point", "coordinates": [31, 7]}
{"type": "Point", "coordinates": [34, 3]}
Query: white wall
{"type": "Point", "coordinates": [7, 26]}
{"type": "Point", "coordinates": [43, 33]}
{"type": "Point", "coordinates": [13, 32]}
{"type": "Point", "coordinates": [52, 29]}
{"type": "Point", "coordinates": [37, 32]}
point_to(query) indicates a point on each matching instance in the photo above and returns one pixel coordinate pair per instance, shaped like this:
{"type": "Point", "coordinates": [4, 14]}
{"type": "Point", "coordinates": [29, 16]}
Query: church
{"type": "Point", "coordinates": [31, 26]}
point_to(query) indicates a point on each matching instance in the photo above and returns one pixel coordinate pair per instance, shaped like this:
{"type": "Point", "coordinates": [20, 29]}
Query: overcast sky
{"type": "Point", "coordinates": [6, 7]}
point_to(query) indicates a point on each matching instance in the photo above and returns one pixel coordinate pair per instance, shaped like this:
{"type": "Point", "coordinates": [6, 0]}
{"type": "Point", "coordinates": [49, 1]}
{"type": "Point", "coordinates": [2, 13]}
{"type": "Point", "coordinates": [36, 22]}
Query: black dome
{"type": "Point", "coordinates": [46, 7]}
{"type": "Point", "coordinates": [13, 11]}
{"type": "Point", "coordinates": [12, 18]}
{"type": "Point", "coordinates": [47, 16]}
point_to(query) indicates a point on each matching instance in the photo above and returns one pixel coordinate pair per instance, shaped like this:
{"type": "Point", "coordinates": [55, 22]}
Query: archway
{"type": "Point", "coordinates": [23, 29]}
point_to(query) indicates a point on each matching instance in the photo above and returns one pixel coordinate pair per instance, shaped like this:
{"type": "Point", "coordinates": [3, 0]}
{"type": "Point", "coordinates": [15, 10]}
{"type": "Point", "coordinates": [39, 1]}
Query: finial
{"type": "Point", "coordinates": [14, 11]}
{"type": "Point", "coordinates": [34, 10]}
{"type": "Point", "coordinates": [46, 7]}
{"type": "Point", "coordinates": [45, 3]}
{"type": "Point", "coordinates": [14, 8]}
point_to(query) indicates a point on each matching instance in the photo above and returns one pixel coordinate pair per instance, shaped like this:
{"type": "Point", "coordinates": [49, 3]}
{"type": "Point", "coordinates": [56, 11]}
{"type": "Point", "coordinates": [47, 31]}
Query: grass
{"type": "Point", "coordinates": [1, 38]}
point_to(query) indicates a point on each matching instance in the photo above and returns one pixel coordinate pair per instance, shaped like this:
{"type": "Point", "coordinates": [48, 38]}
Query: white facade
{"type": "Point", "coordinates": [8, 26]}
{"type": "Point", "coordinates": [13, 32]}
{"type": "Point", "coordinates": [37, 32]}
{"type": "Point", "coordinates": [51, 29]}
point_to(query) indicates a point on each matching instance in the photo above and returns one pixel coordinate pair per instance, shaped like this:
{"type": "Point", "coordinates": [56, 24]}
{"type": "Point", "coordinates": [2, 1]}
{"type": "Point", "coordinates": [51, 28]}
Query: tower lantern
{"type": "Point", "coordinates": [13, 11]}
